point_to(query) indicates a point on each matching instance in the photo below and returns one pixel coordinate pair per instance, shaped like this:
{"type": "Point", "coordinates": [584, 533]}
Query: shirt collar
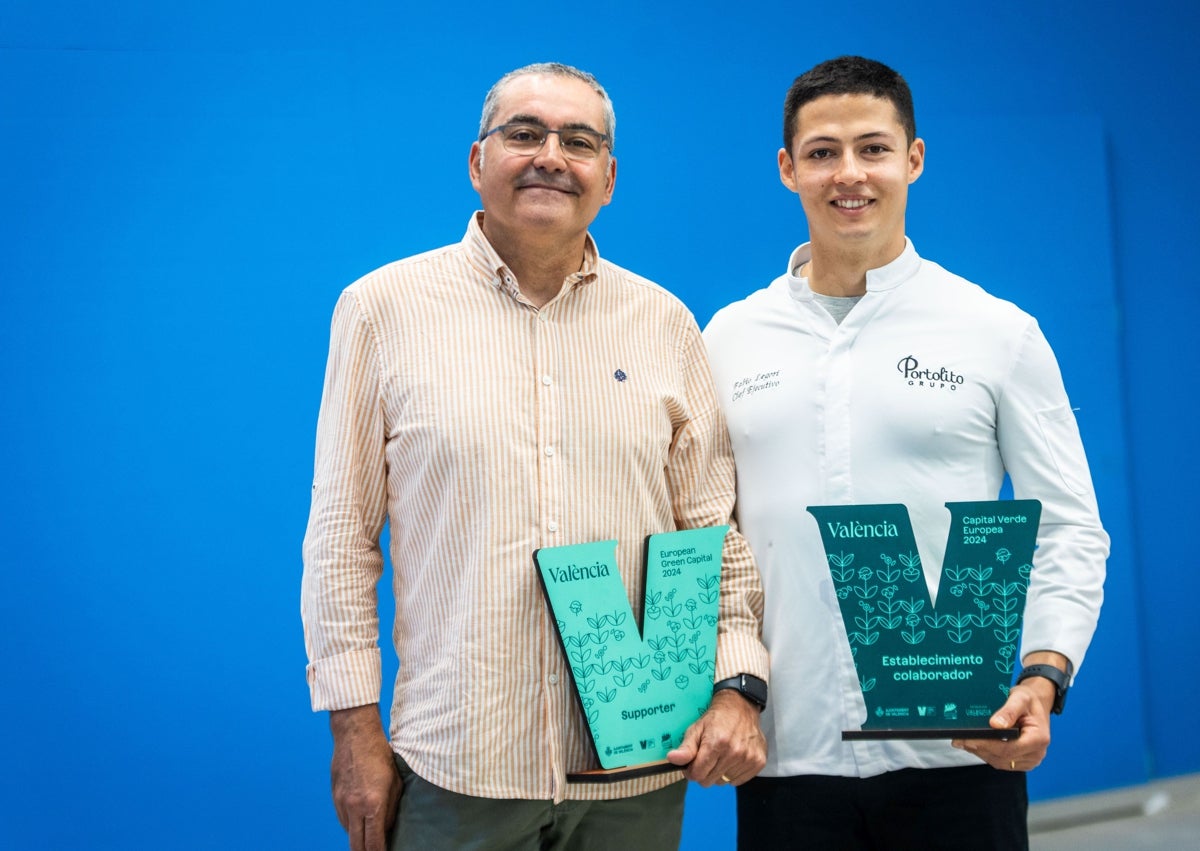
{"type": "Point", "coordinates": [484, 257]}
{"type": "Point", "coordinates": [878, 280]}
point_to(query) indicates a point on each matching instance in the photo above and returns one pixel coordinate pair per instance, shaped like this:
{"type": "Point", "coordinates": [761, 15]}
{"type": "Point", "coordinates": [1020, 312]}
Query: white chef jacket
{"type": "Point", "coordinates": [928, 392]}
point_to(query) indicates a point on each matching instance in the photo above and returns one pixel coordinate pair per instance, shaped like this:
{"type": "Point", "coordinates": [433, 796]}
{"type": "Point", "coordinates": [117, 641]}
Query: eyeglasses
{"type": "Point", "coordinates": [525, 140]}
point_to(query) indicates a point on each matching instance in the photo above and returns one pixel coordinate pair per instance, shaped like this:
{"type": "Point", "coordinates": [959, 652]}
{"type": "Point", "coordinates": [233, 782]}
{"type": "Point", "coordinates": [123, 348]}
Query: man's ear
{"type": "Point", "coordinates": [610, 179]}
{"type": "Point", "coordinates": [787, 170]}
{"type": "Point", "coordinates": [475, 164]}
{"type": "Point", "coordinates": [916, 160]}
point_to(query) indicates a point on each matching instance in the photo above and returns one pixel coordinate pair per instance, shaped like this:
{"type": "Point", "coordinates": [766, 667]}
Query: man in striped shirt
{"type": "Point", "coordinates": [510, 392]}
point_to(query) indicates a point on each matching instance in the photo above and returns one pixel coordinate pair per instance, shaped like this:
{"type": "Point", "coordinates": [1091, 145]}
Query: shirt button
{"type": "Point", "coordinates": [552, 526]}
{"type": "Point", "coordinates": [546, 380]}
{"type": "Point", "coordinates": [549, 451]}
{"type": "Point", "coordinates": [553, 678]}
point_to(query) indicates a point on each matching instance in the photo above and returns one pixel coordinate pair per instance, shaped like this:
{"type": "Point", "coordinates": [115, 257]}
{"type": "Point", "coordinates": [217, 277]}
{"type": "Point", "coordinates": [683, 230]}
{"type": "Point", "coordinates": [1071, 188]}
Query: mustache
{"type": "Point", "coordinates": [563, 182]}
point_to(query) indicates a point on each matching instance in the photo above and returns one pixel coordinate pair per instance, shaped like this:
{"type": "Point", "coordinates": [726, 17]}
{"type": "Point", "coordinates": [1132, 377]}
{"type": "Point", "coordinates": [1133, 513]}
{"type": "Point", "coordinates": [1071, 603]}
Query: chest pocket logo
{"type": "Point", "coordinates": [916, 376]}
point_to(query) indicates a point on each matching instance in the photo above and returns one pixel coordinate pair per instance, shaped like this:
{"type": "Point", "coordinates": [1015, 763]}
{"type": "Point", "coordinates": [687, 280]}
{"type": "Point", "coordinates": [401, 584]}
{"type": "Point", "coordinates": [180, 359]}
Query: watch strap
{"type": "Point", "coordinates": [1060, 678]}
{"type": "Point", "coordinates": [748, 686]}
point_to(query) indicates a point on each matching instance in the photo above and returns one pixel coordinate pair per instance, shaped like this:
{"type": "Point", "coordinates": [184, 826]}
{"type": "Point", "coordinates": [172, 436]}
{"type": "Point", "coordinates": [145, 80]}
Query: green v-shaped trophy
{"type": "Point", "coordinates": [931, 670]}
{"type": "Point", "coordinates": [639, 686]}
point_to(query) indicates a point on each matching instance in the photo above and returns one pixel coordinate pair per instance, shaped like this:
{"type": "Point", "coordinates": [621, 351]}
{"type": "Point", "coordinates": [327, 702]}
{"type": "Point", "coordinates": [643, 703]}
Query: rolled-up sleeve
{"type": "Point", "coordinates": [703, 486]}
{"type": "Point", "coordinates": [342, 557]}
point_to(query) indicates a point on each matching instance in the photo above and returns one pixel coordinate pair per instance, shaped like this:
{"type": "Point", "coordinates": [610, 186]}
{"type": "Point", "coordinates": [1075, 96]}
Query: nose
{"type": "Point", "coordinates": [550, 155]}
{"type": "Point", "coordinates": [850, 170]}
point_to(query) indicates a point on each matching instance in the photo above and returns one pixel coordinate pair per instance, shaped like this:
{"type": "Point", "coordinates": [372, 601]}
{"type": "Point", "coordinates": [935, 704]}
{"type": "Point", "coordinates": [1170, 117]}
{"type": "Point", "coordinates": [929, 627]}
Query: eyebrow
{"type": "Point", "coordinates": [862, 137]}
{"type": "Point", "coordinates": [523, 118]}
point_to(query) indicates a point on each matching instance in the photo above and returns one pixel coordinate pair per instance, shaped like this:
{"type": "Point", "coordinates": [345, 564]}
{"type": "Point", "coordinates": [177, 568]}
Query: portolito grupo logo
{"type": "Point", "coordinates": [933, 379]}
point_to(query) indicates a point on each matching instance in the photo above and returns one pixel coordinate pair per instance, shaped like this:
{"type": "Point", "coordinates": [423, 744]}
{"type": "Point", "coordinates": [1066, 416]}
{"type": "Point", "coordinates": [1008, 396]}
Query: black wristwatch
{"type": "Point", "coordinates": [1060, 678]}
{"type": "Point", "coordinates": [748, 686]}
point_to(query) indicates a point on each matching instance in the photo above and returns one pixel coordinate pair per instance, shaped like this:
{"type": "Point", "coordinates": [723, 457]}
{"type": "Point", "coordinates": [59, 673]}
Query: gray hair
{"type": "Point", "coordinates": [555, 69]}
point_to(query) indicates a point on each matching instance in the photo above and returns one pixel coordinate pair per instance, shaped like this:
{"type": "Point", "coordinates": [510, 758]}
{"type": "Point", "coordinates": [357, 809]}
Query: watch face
{"type": "Point", "coordinates": [755, 689]}
{"type": "Point", "coordinates": [750, 687]}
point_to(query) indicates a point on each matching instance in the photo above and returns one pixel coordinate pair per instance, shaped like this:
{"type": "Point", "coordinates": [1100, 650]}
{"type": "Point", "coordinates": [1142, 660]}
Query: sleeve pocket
{"type": "Point", "coordinates": [1060, 432]}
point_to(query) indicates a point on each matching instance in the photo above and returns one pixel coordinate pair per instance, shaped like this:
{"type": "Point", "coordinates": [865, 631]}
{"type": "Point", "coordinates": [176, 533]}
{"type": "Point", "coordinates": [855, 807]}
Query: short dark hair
{"type": "Point", "coordinates": [849, 75]}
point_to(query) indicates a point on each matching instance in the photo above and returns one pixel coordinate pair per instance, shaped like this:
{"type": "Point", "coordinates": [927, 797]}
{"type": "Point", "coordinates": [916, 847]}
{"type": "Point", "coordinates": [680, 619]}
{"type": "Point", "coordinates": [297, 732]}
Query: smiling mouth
{"type": "Point", "coordinates": [852, 204]}
{"type": "Point", "coordinates": [552, 187]}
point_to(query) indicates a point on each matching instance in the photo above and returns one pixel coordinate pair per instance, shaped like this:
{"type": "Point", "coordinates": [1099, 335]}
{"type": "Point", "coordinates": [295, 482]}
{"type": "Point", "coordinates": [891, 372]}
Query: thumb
{"type": "Point", "coordinates": [687, 749]}
{"type": "Point", "coordinates": [1007, 715]}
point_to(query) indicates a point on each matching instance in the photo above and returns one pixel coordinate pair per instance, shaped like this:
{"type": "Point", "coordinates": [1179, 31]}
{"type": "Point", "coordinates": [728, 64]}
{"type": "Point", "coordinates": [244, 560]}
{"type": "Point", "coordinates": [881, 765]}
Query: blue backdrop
{"type": "Point", "coordinates": [186, 188]}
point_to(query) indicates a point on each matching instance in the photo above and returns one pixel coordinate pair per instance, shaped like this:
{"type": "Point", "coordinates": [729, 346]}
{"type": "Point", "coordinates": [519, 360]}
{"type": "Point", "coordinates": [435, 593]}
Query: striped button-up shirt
{"type": "Point", "coordinates": [482, 428]}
